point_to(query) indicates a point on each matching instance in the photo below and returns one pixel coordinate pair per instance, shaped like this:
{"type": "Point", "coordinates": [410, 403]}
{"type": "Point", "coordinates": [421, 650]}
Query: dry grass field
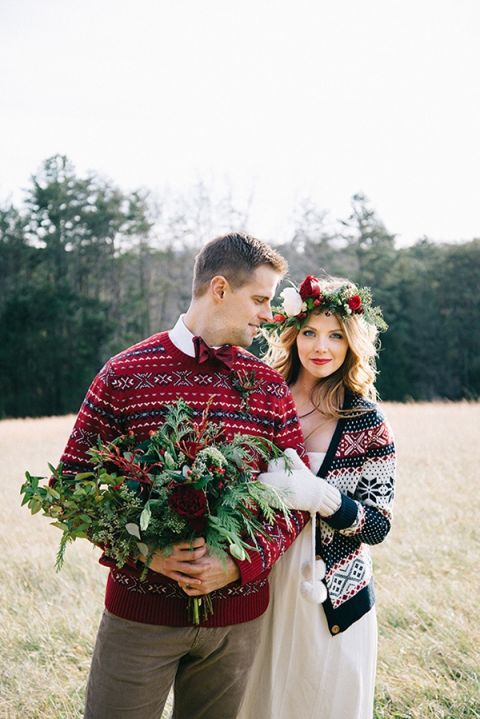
{"type": "Point", "coordinates": [427, 577]}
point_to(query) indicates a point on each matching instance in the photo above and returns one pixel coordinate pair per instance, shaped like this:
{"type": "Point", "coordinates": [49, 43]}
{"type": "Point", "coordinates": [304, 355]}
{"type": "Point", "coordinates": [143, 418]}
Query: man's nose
{"type": "Point", "coordinates": [266, 314]}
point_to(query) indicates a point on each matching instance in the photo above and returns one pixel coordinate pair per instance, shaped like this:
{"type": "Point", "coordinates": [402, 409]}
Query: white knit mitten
{"type": "Point", "coordinates": [301, 489]}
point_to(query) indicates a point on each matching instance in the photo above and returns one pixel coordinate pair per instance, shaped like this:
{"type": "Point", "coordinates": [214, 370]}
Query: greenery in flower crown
{"type": "Point", "coordinates": [181, 483]}
{"type": "Point", "coordinates": [346, 301]}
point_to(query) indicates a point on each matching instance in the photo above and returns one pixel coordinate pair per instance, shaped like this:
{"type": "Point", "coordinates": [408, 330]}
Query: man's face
{"type": "Point", "coordinates": [247, 307]}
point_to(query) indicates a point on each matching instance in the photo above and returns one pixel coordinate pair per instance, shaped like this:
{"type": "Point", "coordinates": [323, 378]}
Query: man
{"type": "Point", "coordinates": [145, 641]}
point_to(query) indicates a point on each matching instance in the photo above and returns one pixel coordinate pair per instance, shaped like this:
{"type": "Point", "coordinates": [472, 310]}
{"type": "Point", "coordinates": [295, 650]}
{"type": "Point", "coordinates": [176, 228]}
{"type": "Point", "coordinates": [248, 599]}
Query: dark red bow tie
{"type": "Point", "coordinates": [225, 353]}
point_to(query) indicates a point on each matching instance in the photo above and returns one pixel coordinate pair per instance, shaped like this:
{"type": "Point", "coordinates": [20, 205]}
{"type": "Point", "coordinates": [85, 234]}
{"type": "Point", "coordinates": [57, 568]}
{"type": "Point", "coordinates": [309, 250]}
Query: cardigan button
{"type": "Point", "coordinates": [335, 629]}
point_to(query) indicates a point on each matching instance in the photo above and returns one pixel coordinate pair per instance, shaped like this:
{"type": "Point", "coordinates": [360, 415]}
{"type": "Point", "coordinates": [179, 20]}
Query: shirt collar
{"type": "Point", "coordinates": [182, 338]}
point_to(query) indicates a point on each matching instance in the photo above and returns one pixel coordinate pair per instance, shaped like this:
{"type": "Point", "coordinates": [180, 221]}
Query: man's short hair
{"type": "Point", "coordinates": [234, 256]}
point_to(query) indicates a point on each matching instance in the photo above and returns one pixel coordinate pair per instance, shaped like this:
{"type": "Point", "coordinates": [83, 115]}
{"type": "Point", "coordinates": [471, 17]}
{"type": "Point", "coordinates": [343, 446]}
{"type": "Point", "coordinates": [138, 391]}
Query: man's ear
{"type": "Point", "coordinates": [218, 286]}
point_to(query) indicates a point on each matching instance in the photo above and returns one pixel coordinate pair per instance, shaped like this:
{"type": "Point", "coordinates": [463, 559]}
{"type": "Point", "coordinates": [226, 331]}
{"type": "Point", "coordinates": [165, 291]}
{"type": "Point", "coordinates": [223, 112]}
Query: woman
{"type": "Point", "coordinates": [318, 659]}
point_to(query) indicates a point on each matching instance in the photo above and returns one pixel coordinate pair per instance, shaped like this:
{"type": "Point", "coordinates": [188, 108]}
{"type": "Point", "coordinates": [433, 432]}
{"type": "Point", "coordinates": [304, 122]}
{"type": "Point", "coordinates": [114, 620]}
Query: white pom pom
{"type": "Point", "coordinates": [313, 592]}
{"type": "Point", "coordinates": [320, 568]}
{"type": "Point", "coordinates": [307, 570]}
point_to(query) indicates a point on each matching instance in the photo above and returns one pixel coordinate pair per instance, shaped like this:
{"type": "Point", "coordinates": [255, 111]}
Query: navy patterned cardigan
{"type": "Point", "coordinates": [360, 462]}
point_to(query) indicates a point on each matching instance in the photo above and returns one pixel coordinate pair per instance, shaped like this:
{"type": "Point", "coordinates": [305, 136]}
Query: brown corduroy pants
{"type": "Point", "coordinates": [134, 666]}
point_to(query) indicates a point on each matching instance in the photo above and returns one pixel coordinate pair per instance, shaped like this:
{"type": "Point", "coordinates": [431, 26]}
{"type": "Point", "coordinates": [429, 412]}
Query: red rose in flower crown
{"type": "Point", "coordinates": [279, 318]}
{"type": "Point", "coordinates": [310, 287]}
{"type": "Point", "coordinates": [355, 303]}
{"type": "Point", "coordinates": [190, 503]}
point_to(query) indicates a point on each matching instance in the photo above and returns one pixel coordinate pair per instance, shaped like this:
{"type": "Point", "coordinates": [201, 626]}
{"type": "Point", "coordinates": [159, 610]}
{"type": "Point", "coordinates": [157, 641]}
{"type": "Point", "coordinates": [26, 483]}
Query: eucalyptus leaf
{"type": "Point", "coordinates": [133, 530]}
{"type": "Point", "coordinates": [145, 517]}
{"type": "Point", "coordinates": [237, 551]}
{"type": "Point", "coordinates": [142, 548]}
{"type": "Point", "coordinates": [169, 461]}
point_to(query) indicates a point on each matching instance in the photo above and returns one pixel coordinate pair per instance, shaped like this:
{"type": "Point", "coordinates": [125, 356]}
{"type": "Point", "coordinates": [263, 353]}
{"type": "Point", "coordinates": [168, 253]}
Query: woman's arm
{"type": "Point", "coordinates": [368, 514]}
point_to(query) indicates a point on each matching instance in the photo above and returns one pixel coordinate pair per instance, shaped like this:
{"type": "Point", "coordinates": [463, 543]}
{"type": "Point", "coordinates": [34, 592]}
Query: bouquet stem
{"type": "Point", "coordinates": [200, 609]}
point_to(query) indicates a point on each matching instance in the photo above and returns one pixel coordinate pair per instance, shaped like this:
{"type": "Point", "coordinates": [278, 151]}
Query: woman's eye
{"type": "Point", "coordinates": [308, 333]}
{"type": "Point", "coordinates": [336, 336]}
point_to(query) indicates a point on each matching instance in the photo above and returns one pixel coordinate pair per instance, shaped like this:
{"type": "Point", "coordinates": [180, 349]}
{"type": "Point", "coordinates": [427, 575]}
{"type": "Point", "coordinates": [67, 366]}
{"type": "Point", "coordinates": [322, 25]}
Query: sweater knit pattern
{"type": "Point", "coordinates": [131, 393]}
{"type": "Point", "coordinates": [360, 463]}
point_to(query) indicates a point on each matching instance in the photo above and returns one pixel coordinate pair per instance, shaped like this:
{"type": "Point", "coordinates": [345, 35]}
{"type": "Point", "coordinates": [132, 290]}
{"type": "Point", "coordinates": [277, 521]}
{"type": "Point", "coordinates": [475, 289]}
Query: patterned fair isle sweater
{"type": "Point", "coordinates": [130, 394]}
{"type": "Point", "coordinates": [360, 462]}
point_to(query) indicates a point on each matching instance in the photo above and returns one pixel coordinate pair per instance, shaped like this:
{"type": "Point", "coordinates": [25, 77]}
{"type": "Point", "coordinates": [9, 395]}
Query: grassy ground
{"type": "Point", "coordinates": [427, 584]}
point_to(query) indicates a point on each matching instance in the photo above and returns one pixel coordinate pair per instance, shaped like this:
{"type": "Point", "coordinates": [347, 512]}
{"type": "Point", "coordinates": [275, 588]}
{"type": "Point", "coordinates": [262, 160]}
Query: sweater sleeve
{"type": "Point", "coordinates": [99, 416]}
{"type": "Point", "coordinates": [367, 515]}
{"type": "Point", "coordinates": [287, 434]}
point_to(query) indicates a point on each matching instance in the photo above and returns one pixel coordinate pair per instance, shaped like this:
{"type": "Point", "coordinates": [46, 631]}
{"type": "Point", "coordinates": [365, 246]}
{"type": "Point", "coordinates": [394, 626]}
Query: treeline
{"type": "Point", "coordinates": [86, 270]}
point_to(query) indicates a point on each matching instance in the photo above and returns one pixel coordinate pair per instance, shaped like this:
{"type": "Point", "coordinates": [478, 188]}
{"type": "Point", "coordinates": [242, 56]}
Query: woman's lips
{"type": "Point", "coordinates": [321, 361]}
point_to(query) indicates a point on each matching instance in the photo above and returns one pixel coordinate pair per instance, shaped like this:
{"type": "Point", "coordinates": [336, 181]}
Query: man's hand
{"type": "Point", "coordinates": [196, 572]}
{"type": "Point", "coordinates": [211, 573]}
{"type": "Point", "coordinates": [178, 564]}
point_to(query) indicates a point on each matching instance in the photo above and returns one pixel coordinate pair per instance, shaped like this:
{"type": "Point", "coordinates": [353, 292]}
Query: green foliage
{"type": "Point", "coordinates": [85, 506]}
{"type": "Point", "coordinates": [180, 484]}
{"type": "Point", "coordinates": [80, 260]}
{"type": "Point", "coordinates": [61, 285]}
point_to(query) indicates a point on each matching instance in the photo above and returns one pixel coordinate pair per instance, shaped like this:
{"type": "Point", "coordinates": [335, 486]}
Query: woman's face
{"type": "Point", "coordinates": [322, 345]}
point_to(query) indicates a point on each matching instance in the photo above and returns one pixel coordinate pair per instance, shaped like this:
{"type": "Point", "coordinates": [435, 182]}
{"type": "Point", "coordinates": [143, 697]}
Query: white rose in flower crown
{"type": "Point", "coordinates": [292, 302]}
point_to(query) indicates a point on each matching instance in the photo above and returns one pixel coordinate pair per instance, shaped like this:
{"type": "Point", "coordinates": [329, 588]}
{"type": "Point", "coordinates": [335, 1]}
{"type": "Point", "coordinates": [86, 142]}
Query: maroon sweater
{"type": "Point", "coordinates": [130, 393]}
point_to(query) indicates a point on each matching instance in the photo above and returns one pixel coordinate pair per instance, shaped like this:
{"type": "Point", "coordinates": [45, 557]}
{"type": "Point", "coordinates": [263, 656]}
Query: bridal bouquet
{"type": "Point", "coordinates": [183, 482]}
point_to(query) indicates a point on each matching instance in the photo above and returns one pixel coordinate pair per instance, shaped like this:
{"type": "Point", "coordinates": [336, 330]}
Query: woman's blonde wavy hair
{"type": "Point", "coordinates": [357, 372]}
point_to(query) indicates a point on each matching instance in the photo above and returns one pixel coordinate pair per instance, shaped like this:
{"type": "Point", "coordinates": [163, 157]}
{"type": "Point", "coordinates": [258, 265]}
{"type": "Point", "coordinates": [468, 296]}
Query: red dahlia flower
{"type": "Point", "coordinates": [190, 503]}
{"type": "Point", "coordinates": [310, 287]}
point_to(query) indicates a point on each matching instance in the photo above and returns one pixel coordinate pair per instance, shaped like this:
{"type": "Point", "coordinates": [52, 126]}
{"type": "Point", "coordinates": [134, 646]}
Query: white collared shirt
{"type": "Point", "coordinates": [182, 338]}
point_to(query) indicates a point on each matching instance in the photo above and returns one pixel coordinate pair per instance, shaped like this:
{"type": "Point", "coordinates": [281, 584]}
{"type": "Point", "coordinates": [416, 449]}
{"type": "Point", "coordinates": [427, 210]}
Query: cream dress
{"type": "Point", "coordinates": [300, 670]}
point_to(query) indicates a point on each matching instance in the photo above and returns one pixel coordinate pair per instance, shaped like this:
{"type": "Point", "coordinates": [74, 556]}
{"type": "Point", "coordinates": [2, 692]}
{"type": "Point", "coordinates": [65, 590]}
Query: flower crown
{"type": "Point", "coordinates": [345, 301]}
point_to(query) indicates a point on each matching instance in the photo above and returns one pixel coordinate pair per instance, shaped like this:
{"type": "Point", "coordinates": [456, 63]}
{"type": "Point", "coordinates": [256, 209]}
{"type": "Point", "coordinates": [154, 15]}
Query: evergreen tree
{"type": "Point", "coordinates": [87, 269]}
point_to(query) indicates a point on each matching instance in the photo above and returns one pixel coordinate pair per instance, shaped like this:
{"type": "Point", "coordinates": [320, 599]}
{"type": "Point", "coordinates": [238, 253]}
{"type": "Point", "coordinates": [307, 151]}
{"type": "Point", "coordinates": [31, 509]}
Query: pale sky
{"type": "Point", "coordinates": [285, 99]}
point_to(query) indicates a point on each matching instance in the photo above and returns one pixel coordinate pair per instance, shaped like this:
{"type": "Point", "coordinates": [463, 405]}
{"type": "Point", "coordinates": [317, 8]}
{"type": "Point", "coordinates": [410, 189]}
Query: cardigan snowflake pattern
{"type": "Point", "coordinates": [130, 394]}
{"type": "Point", "coordinates": [360, 463]}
